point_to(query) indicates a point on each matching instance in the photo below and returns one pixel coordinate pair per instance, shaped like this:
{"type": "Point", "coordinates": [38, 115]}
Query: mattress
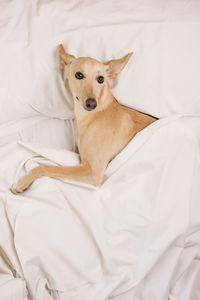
{"type": "Point", "coordinates": [137, 236]}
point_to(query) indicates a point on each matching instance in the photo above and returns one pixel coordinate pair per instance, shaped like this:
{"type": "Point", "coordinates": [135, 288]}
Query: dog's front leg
{"type": "Point", "coordinates": [82, 173]}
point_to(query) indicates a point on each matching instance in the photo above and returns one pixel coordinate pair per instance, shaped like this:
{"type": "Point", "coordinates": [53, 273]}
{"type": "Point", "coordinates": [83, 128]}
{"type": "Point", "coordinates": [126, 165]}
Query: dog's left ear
{"type": "Point", "coordinates": [66, 58]}
{"type": "Point", "coordinates": [115, 66]}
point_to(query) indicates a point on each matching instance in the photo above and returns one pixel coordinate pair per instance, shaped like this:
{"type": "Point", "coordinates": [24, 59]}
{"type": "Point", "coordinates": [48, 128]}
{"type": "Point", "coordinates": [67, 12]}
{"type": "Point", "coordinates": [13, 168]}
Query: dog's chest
{"type": "Point", "coordinates": [77, 136]}
{"type": "Point", "coordinates": [79, 128]}
{"type": "Point", "coordinates": [86, 133]}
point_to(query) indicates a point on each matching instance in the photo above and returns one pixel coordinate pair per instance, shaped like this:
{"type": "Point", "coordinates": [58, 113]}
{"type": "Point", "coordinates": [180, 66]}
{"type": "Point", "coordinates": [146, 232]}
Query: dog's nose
{"type": "Point", "coordinates": [90, 104]}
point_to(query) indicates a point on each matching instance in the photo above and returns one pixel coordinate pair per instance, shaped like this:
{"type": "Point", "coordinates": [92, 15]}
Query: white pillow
{"type": "Point", "coordinates": [162, 78]}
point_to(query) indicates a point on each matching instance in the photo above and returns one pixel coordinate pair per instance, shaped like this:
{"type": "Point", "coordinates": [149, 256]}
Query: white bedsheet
{"type": "Point", "coordinates": [135, 237]}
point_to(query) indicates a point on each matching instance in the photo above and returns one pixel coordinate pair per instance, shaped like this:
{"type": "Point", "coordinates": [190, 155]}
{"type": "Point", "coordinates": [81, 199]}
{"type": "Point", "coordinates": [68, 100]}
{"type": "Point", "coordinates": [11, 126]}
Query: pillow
{"type": "Point", "coordinates": [161, 79]}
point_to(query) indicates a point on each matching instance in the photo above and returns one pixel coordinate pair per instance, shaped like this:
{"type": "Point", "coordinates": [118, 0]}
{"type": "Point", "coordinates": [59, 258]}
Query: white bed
{"type": "Point", "coordinates": [137, 237]}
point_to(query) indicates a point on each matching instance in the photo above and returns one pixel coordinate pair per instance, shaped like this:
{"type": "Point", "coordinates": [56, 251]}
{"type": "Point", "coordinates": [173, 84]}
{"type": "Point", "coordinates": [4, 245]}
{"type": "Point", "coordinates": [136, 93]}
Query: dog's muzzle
{"type": "Point", "coordinates": [90, 104]}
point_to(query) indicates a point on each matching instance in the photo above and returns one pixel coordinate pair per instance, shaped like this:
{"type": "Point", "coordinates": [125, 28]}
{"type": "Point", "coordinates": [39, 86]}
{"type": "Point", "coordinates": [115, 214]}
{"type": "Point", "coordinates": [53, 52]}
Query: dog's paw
{"type": "Point", "coordinates": [15, 189]}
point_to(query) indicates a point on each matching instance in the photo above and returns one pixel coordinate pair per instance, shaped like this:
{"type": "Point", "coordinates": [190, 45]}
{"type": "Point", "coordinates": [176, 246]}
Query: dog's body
{"type": "Point", "coordinates": [103, 127]}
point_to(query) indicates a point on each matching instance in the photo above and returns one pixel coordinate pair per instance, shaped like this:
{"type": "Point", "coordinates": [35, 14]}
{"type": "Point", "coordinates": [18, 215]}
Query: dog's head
{"type": "Point", "coordinates": [87, 77]}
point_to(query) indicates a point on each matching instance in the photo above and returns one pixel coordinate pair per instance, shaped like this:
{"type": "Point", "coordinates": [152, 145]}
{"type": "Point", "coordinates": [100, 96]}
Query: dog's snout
{"type": "Point", "coordinates": [90, 104]}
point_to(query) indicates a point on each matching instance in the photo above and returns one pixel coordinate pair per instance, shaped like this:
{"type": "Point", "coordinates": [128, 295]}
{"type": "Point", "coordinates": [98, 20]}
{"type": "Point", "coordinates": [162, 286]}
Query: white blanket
{"type": "Point", "coordinates": [135, 237]}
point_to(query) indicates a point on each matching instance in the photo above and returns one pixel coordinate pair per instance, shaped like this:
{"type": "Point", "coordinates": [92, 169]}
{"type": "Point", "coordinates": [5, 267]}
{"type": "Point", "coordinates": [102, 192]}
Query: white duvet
{"type": "Point", "coordinates": [137, 237]}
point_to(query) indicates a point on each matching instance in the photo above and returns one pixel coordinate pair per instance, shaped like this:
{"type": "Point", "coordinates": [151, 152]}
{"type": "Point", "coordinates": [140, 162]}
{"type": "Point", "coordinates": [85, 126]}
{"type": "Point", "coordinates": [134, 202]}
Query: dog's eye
{"type": "Point", "coordinates": [79, 75]}
{"type": "Point", "coordinates": [100, 79]}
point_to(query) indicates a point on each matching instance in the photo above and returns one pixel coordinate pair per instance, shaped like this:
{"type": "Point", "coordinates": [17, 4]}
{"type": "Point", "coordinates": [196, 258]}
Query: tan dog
{"type": "Point", "coordinates": [103, 126]}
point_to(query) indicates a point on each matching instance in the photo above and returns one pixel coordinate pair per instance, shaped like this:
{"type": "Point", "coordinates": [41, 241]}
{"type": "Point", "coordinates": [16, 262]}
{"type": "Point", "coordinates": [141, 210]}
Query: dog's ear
{"type": "Point", "coordinates": [115, 66]}
{"type": "Point", "coordinates": [66, 58]}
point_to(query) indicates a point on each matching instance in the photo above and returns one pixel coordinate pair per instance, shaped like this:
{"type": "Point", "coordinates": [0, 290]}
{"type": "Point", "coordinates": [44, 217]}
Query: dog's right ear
{"type": "Point", "coordinates": [66, 58]}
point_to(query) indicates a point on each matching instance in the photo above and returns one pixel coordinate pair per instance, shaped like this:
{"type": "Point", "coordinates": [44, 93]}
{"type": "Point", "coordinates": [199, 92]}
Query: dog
{"type": "Point", "coordinates": [103, 127]}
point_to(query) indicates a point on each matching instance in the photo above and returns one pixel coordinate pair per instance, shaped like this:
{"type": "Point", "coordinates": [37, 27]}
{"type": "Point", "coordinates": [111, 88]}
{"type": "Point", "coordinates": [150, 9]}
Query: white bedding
{"type": "Point", "coordinates": [137, 237]}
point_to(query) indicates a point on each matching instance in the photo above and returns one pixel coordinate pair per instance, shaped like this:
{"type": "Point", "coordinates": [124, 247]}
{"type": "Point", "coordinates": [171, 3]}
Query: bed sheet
{"type": "Point", "coordinates": [135, 237]}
